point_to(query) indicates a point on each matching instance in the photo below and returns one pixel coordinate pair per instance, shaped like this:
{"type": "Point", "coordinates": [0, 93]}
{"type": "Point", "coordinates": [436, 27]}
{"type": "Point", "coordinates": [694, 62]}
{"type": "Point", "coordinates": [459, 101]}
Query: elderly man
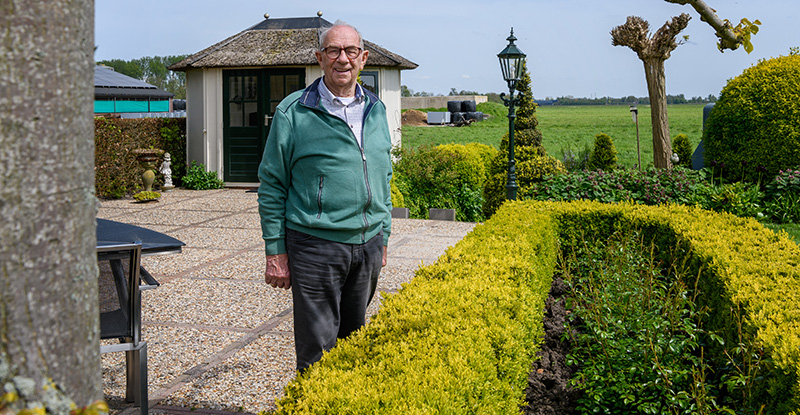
{"type": "Point", "coordinates": [324, 197]}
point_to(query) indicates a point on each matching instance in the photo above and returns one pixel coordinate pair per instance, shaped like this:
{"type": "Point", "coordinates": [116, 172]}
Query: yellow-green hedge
{"type": "Point", "coordinates": [460, 338]}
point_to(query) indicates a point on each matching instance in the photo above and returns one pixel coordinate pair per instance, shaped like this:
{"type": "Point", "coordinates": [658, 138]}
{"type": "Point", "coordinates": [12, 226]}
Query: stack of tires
{"type": "Point", "coordinates": [462, 112]}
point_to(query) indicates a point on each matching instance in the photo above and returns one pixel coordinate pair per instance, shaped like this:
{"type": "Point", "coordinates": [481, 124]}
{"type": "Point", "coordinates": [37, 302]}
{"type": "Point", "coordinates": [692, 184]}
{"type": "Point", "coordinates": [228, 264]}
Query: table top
{"type": "Point", "coordinates": [110, 232]}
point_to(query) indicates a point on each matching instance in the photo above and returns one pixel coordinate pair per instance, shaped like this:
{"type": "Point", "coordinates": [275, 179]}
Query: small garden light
{"type": "Point", "coordinates": [635, 114]}
{"type": "Point", "coordinates": [511, 63]}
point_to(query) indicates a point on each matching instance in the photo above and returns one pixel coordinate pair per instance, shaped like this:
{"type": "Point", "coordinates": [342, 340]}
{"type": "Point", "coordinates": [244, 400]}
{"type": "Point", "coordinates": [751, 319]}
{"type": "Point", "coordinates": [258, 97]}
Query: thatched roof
{"type": "Point", "coordinates": [279, 42]}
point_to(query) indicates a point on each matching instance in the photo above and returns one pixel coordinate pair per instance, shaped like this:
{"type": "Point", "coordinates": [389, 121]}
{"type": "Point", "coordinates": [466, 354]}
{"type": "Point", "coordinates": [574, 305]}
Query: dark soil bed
{"type": "Point", "coordinates": [548, 389]}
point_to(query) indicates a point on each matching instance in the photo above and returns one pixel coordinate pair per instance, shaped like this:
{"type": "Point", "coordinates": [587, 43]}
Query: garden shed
{"type": "Point", "coordinates": [116, 94]}
{"type": "Point", "coordinates": [234, 86]}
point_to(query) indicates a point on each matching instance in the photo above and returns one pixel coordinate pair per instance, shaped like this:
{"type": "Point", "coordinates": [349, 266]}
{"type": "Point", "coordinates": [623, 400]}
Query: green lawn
{"type": "Point", "coordinates": [570, 127]}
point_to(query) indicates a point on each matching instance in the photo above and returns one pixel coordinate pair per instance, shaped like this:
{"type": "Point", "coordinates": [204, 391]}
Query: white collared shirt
{"type": "Point", "coordinates": [350, 109]}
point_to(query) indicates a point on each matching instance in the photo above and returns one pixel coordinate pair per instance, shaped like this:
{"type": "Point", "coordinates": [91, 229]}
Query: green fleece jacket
{"type": "Point", "coordinates": [316, 179]}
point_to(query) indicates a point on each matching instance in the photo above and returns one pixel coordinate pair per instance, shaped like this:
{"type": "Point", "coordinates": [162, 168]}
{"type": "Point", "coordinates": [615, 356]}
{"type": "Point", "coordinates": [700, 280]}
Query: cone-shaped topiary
{"type": "Point", "coordinates": [756, 121]}
{"type": "Point", "coordinates": [683, 148]}
{"type": "Point", "coordinates": [604, 155]}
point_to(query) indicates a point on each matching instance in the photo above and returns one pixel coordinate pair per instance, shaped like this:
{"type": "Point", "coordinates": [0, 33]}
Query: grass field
{"type": "Point", "coordinates": [570, 127]}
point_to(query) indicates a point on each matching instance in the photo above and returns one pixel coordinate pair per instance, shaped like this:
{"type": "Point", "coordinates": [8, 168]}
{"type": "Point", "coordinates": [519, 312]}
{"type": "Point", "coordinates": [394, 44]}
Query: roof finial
{"type": "Point", "coordinates": [266, 15]}
{"type": "Point", "coordinates": [319, 13]}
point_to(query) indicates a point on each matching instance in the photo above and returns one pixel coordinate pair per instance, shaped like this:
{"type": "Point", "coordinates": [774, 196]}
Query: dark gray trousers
{"type": "Point", "coordinates": [332, 284]}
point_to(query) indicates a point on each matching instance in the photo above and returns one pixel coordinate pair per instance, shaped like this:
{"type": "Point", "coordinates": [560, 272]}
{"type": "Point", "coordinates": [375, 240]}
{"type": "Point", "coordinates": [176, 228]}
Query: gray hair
{"type": "Point", "coordinates": [323, 33]}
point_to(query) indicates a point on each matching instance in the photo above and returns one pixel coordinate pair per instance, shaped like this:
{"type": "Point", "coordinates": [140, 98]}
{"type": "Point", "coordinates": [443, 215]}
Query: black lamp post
{"type": "Point", "coordinates": [511, 59]}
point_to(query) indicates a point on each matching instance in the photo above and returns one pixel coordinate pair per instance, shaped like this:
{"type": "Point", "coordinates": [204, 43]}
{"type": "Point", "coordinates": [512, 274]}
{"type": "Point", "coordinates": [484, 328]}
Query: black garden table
{"type": "Point", "coordinates": [120, 247]}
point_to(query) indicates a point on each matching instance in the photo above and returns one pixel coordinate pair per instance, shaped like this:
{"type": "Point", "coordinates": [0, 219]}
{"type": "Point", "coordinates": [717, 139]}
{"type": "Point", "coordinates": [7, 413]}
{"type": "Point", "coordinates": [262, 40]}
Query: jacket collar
{"type": "Point", "coordinates": [311, 97]}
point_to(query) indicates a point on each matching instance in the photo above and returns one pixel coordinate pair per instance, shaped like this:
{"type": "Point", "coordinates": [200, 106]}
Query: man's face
{"type": "Point", "coordinates": [341, 73]}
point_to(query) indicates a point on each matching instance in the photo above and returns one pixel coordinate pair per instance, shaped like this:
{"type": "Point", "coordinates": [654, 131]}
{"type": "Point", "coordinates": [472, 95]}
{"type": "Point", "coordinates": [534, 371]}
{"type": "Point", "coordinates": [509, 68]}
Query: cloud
{"type": "Point", "coordinates": [465, 76]}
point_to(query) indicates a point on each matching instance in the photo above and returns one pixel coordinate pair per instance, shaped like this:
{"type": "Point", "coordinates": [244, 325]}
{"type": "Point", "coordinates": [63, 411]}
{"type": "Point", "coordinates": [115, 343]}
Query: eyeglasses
{"type": "Point", "coordinates": [333, 52]}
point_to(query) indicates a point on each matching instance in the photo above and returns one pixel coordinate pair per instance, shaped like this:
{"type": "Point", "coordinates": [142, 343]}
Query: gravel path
{"type": "Point", "coordinates": [219, 339]}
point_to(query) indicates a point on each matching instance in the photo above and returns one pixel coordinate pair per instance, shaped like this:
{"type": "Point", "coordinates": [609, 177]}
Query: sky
{"type": "Point", "coordinates": [456, 42]}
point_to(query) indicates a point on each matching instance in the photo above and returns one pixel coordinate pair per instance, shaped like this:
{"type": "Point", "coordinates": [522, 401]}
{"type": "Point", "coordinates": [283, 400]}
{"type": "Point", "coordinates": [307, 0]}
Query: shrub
{"type": "Point", "coordinates": [575, 160]}
{"type": "Point", "coordinates": [472, 161]}
{"type": "Point", "coordinates": [757, 120]}
{"type": "Point", "coordinates": [683, 148]}
{"type": "Point", "coordinates": [782, 196]}
{"type": "Point", "coordinates": [529, 171]}
{"type": "Point", "coordinates": [636, 340]}
{"type": "Point", "coordinates": [740, 199]}
{"type": "Point", "coordinates": [397, 196]}
{"type": "Point", "coordinates": [443, 177]}
{"type": "Point", "coordinates": [604, 154]}
{"type": "Point", "coordinates": [146, 196]}
{"type": "Point", "coordinates": [649, 187]}
{"type": "Point", "coordinates": [197, 178]}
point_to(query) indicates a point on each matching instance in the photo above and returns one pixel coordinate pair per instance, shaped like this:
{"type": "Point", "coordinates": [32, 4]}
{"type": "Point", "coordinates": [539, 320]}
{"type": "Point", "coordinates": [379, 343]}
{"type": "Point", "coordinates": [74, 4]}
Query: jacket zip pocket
{"type": "Point", "coordinates": [319, 197]}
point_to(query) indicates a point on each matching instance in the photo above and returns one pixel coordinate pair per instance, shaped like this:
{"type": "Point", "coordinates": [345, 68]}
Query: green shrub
{"type": "Point", "coordinates": [397, 195]}
{"type": "Point", "coordinates": [782, 196]}
{"type": "Point", "coordinates": [649, 187]}
{"type": "Point", "coordinates": [472, 161]}
{"type": "Point", "coordinates": [575, 160]}
{"type": "Point", "coordinates": [444, 177]}
{"type": "Point", "coordinates": [604, 154]}
{"type": "Point", "coordinates": [146, 196]}
{"type": "Point", "coordinates": [683, 148]}
{"type": "Point", "coordinates": [197, 178]}
{"type": "Point", "coordinates": [740, 199]}
{"type": "Point", "coordinates": [757, 120]}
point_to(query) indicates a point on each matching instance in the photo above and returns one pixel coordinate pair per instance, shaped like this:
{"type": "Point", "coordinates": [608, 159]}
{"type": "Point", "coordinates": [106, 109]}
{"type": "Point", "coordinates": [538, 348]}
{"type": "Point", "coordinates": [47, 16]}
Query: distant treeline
{"type": "Point", "coordinates": [629, 100]}
{"type": "Point", "coordinates": [570, 100]}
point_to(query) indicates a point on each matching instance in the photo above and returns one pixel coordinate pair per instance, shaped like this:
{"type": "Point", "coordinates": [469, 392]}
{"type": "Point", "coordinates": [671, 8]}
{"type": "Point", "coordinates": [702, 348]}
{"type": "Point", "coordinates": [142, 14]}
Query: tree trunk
{"type": "Point", "coordinates": [657, 90]}
{"type": "Point", "coordinates": [49, 325]}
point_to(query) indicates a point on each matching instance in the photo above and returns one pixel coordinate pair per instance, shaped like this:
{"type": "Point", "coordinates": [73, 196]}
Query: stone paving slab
{"type": "Point", "coordinates": [219, 339]}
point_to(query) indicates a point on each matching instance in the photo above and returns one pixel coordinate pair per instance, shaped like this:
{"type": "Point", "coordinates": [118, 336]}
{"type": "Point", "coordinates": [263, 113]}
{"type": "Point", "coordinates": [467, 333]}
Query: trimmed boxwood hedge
{"type": "Point", "coordinates": [461, 337]}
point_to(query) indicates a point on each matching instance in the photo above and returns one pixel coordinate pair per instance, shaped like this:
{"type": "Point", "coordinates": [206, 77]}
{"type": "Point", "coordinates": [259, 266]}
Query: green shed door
{"type": "Point", "coordinates": [250, 98]}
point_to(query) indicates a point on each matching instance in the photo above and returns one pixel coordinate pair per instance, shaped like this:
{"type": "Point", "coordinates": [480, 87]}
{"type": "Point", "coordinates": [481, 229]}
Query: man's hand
{"type": "Point", "coordinates": [277, 273]}
{"type": "Point", "coordinates": [385, 254]}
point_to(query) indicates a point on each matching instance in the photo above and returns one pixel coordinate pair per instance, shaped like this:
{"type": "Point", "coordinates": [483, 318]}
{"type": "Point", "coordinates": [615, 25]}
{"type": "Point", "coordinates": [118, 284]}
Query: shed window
{"type": "Point", "coordinates": [369, 80]}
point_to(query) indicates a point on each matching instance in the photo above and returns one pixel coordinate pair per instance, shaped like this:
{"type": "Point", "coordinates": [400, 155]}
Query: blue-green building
{"type": "Point", "coordinates": [115, 93]}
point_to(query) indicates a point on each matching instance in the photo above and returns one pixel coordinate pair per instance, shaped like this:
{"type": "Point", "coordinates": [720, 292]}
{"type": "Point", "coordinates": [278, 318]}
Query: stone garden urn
{"type": "Point", "coordinates": [147, 157]}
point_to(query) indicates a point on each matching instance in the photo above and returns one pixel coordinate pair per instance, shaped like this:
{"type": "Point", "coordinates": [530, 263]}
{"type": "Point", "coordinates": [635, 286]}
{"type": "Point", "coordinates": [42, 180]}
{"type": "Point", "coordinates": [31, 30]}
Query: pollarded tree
{"type": "Point", "coordinates": [654, 51]}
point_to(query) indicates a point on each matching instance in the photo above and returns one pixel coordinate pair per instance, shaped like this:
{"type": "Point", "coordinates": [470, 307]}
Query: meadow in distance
{"type": "Point", "coordinates": [569, 128]}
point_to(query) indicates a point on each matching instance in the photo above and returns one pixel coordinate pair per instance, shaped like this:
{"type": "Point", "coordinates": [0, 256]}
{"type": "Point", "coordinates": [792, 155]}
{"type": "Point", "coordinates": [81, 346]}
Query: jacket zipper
{"type": "Point", "coordinates": [369, 193]}
{"type": "Point", "coordinates": [319, 197]}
